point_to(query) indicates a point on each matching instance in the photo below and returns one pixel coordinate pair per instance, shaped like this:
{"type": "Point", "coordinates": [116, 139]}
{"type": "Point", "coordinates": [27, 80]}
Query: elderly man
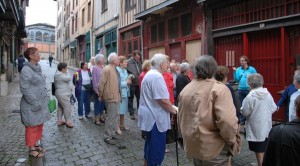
{"type": "Point", "coordinates": [292, 111]}
{"type": "Point", "coordinates": [96, 73]}
{"type": "Point", "coordinates": [207, 118]}
{"type": "Point", "coordinates": [110, 92]}
{"type": "Point", "coordinates": [154, 111]}
{"type": "Point", "coordinates": [134, 67]}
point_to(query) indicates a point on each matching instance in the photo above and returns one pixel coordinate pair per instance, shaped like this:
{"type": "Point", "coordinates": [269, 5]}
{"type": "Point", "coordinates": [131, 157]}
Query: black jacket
{"type": "Point", "coordinates": [181, 81]}
{"type": "Point", "coordinates": [285, 144]}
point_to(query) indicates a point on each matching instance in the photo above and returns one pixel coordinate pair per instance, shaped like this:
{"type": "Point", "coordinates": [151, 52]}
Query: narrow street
{"type": "Point", "coordinates": [82, 145]}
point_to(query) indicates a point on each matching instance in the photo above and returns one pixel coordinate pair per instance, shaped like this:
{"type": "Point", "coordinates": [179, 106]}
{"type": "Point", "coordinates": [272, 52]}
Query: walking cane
{"type": "Point", "coordinates": [176, 138]}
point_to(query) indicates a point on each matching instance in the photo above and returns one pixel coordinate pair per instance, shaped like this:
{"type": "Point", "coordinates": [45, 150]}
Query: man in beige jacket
{"type": "Point", "coordinates": [207, 117]}
{"type": "Point", "coordinates": [110, 92]}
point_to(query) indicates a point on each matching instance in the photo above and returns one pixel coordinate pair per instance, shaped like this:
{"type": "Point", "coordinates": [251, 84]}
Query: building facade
{"type": "Point", "coordinates": [12, 31]}
{"type": "Point", "coordinates": [268, 32]}
{"type": "Point", "coordinates": [174, 27]}
{"type": "Point", "coordinates": [41, 36]}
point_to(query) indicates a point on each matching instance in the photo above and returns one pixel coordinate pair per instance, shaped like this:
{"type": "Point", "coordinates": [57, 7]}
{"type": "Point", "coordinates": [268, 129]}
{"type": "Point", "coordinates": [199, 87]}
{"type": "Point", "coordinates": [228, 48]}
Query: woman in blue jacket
{"type": "Point", "coordinates": [125, 83]}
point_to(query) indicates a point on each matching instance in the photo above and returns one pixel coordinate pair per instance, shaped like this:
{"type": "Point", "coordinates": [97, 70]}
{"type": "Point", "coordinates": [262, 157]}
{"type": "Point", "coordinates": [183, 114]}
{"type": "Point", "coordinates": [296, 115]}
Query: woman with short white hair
{"type": "Point", "coordinates": [154, 110]}
{"type": "Point", "coordinates": [258, 107]}
{"type": "Point", "coordinates": [182, 79]}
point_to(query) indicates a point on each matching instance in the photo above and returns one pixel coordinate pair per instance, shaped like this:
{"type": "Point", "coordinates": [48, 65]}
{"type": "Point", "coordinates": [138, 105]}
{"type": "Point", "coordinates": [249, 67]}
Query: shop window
{"type": "Point", "coordinates": [38, 36]}
{"type": "Point", "coordinates": [154, 33]}
{"type": "Point", "coordinates": [161, 31]}
{"type": "Point", "coordinates": [173, 28]}
{"type": "Point", "coordinates": [186, 24]}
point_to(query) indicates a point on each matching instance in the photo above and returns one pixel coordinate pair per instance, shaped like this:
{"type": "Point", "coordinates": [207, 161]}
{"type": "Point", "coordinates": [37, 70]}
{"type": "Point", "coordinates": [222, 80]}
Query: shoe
{"type": "Point", "coordinates": [132, 117]}
{"type": "Point", "coordinates": [167, 150]}
{"type": "Point", "coordinates": [59, 124]}
{"type": "Point", "coordinates": [102, 120]}
{"type": "Point", "coordinates": [39, 149]}
{"type": "Point", "coordinates": [69, 125]}
{"type": "Point", "coordinates": [124, 127]}
{"type": "Point", "coordinates": [80, 117]}
{"type": "Point", "coordinates": [99, 123]}
{"type": "Point", "coordinates": [116, 137]}
{"type": "Point", "coordinates": [119, 132]}
{"type": "Point", "coordinates": [38, 154]}
{"type": "Point", "coordinates": [88, 116]}
{"type": "Point", "coordinates": [109, 141]}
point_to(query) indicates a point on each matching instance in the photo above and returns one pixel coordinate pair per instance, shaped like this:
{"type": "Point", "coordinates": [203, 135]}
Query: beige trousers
{"type": "Point", "coordinates": [222, 159]}
{"type": "Point", "coordinates": [64, 107]}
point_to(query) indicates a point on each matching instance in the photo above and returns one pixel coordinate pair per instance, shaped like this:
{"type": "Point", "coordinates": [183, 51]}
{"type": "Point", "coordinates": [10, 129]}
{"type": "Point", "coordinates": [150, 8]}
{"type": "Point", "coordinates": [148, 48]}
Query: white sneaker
{"type": "Point", "coordinates": [88, 116]}
{"type": "Point", "coordinates": [80, 117]}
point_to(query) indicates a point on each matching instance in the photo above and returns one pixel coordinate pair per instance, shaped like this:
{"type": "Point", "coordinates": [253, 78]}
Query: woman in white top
{"type": "Point", "coordinates": [258, 107]}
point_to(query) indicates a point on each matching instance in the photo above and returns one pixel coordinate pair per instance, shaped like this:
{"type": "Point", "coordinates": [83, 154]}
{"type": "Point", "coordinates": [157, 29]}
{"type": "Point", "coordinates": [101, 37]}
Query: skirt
{"type": "Point", "coordinates": [258, 147]}
{"type": "Point", "coordinates": [124, 106]}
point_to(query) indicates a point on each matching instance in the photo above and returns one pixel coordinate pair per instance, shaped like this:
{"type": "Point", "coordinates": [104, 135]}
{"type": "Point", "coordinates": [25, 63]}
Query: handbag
{"type": "Point", "coordinates": [52, 105]}
{"type": "Point", "coordinates": [87, 87]}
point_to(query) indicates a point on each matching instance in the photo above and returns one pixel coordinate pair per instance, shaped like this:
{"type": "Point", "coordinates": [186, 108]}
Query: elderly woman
{"type": "Point", "coordinates": [125, 83]}
{"type": "Point", "coordinates": [63, 93]}
{"type": "Point", "coordinates": [206, 117]}
{"type": "Point", "coordinates": [34, 102]}
{"type": "Point", "coordinates": [154, 111]}
{"type": "Point", "coordinates": [182, 79]}
{"type": "Point", "coordinates": [222, 75]}
{"type": "Point", "coordinates": [258, 108]}
{"type": "Point", "coordinates": [96, 76]}
{"type": "Point", "coordinates": [82, 79]}
{"type": "Point", "coordinates": [145, 67]}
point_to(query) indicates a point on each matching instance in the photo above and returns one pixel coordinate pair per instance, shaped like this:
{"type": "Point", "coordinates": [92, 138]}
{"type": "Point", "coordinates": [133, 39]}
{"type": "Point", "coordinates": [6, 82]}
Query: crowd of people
{"type": "Point", "coordinates": [194, 97]}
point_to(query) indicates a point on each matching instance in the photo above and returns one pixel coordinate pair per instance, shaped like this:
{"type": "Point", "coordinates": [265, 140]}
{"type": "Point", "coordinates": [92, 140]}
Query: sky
{"type": "Point", "coordinates": [41, 11]}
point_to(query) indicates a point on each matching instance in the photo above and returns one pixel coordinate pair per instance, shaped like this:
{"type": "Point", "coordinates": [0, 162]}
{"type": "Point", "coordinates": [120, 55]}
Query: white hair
{"type": "Point", "coordinates": [98, 58]}
{"type": "Point", "coordinates": [184, 67]}
{"type": "Point", "coordinates": [157, 60]}
{"type": "Point", "coordinates": [112, 56]}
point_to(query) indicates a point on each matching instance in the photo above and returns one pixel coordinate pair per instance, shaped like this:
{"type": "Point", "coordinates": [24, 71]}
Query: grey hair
{"type": "Point", "coordinates": [184, 67]}
{"type": "Point", "coordinates": [112, 56]}
{"type": "Point", "coordinates": [255, 80]}
{"type": "Point", "coordinates": [98, 58]}
{"type": "Point", "coordinates": [297, 77]}
{"type": "Point", "coordinates": [157, 60]}
{"type": "Point", "coordinates": [205, 67]}
{"type": "Point", "coordinates": [172, 64]}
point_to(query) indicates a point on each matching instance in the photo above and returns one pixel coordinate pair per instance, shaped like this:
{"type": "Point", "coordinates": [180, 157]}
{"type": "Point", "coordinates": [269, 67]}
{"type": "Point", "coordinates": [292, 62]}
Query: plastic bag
{"type": "Point", "coordinates": [52, 105]}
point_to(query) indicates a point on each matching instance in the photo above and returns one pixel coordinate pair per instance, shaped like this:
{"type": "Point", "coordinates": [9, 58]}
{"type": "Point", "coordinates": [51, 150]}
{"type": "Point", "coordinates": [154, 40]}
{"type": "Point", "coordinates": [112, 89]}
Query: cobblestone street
{"type": "Point", "coordinates": [83, 144]}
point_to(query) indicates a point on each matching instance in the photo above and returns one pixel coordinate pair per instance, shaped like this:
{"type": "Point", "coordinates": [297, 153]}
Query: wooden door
{"type": "Point", "coordinates": [175, 52]}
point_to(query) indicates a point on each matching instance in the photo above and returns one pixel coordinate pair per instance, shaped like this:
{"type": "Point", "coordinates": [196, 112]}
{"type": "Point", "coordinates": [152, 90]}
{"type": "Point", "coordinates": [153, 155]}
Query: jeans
{"type": "Point", "coordinates": [98, 105]}
{"type": "Point", "coordinates": [134, 90]}
{"type": "Point", "coordinates": [84, 99]}
{"type": "Point", "coordinates": [242, 95]}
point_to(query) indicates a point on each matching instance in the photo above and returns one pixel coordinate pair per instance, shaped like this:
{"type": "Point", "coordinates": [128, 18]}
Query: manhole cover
{"type": "Point", "coordinates": [15, 111]}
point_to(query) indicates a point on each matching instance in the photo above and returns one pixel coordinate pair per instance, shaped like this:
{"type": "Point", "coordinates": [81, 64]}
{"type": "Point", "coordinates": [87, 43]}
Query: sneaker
{"type": "Point", "coordinates": [119, 132]}
{"type": "Point", "coordinates": [132, 117]}
{"type": "Point", "coordinates": [88, 116]}
{"type": "Point", "coordinates": [116, 137]}
{"type": "Point", "coordinates": [110, 141]}
{"type": "Point", "coordinates": [80, 117]}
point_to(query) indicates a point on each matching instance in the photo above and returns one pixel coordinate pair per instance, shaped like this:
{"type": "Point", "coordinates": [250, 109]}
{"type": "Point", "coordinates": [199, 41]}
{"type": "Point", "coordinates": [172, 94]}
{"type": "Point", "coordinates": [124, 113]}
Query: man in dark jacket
{"type": "Point", "coordinates": [20, 62]}
{"type": "Point", "coordinates": [284, 142]}
{"type": "Point", "coordinates": [50, 60]}
{"type": "Point", "coordinates": [134, 67]}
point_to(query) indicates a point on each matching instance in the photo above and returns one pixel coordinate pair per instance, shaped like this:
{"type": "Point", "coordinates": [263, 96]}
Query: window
{"type": "Point", "coordinates": [89, 11]}
{"type": "Point", "coordinates": [73, 26]}
{"type": "Point", "coordinates": [53, 38]}
{"type": "Point", "coordinates": [135, 45]}
{"type": "Point", "coordinates": [161, 31]}
{"type": "Point", "coordinates": [76, 22]}
{"type": "Point", "coordinates": [38, 36]}
{"type": "Point", "coordinates": [82, 23]}
{"type": "Point", "coordinates": [154, 33]}
{"type": "Point", "coordinates": [173, 28]}
{"type": "Point", "coordinates": [104, 5]}
{"type": "Point", "coordinates": [129, 47]}
{"type": "Point", "coordinates": [136, 32]}
{"type": "Point", "coordinates": [186, 24]}
{"type": "Point", "coordinates": [73, 4]}
{"type": "Point", "coordinates": [129, 4]}
{"type": "Point", "coordinates": [46, 37]}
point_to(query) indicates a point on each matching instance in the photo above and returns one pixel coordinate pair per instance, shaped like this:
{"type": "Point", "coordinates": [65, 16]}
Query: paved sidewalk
{"type": "Point", "coordinates": [82, 145]}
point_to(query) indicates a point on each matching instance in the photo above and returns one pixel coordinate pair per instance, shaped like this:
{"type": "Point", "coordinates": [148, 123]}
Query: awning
{"type": "Point", "coordinates": [154, 10]}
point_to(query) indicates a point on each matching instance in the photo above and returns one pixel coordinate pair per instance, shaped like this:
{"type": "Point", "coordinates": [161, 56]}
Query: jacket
{"type": "Point", "coordinates": [241, 75]}
{"type": "Point", "coordinates": [124, 76]}
{"type": "Point", "coordinates": [207, 119]}
{"type": "Point", "coordinates": [170, 85]}
{"type": "Point", "coordinates": [34, 101]}
{"type": "Point", "coordinates": [109, 87]}
{"type": "Point", "coordinates": [135, 68]}
{"type": "Point", "coordinates": [77, 81]}
{"type": "Point", "coordinates": [285, 143]}
{"type": "Point", "coordinates": [258, 107]}
{"type": "Point", "coordinates": [181, 81]}
{"type": "Point", "coordinates": [62, 86]}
